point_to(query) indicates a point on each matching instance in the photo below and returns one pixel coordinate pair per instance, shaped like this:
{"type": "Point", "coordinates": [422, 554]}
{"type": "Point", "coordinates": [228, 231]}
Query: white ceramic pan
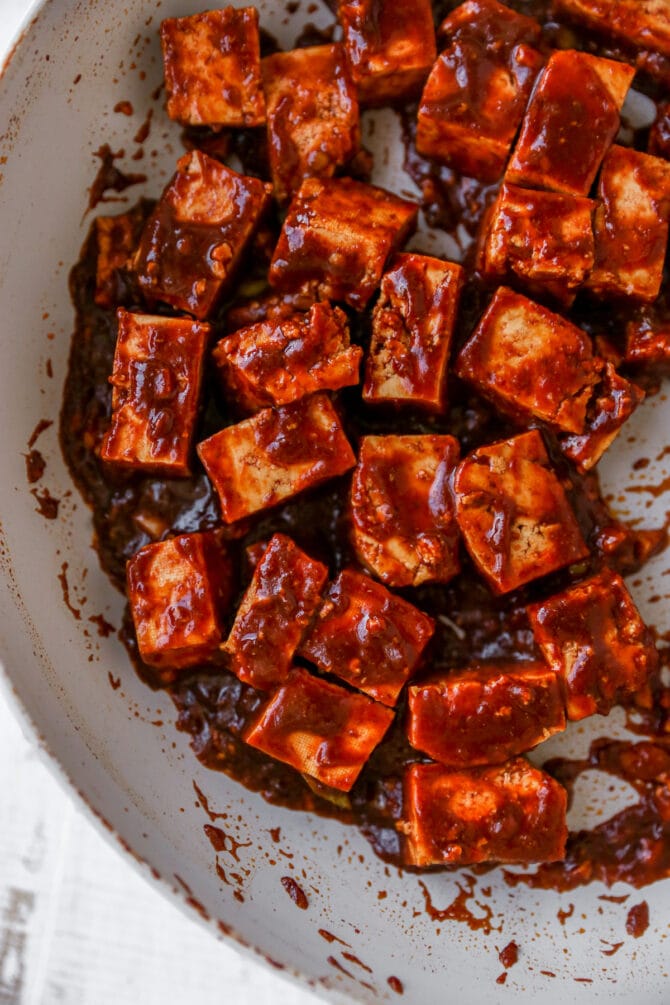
{"type": "Point", "coordinates": [76, 60]}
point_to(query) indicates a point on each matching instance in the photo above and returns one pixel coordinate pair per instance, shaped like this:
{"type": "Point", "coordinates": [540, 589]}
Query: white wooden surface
{"type": "Point", "coordinates": [78, 924]}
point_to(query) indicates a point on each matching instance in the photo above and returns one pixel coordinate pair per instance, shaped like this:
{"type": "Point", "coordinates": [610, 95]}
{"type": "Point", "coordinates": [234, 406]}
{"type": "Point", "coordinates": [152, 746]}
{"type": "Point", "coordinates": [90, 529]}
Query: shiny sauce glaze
{"type": "Point", "coordinates": [471, 624]}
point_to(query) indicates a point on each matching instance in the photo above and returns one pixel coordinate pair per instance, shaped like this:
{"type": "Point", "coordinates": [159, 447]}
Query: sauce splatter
{"type": "Point", "coordinates": [396, 985]}
{"type": "Point", "coordinates": [637, 920]}
{"type": "Point", "coordinates": [458, 909]}
{"type": "Point", "coordinates": [295, 892]}
{"type": "Point", "coordinates": [110, 178]}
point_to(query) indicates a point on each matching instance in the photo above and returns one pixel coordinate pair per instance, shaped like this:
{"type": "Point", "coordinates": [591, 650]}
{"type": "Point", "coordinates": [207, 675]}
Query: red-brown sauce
{"type": "Point", "coordinates": [214, 707]}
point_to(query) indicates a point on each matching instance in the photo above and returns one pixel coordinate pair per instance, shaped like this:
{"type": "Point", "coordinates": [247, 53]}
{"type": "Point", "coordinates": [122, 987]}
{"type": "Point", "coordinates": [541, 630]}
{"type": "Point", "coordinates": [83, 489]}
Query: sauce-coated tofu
{"type": "Point", "coordinates": [593, 636]}
{"type": "Point", "coordinates": [513, 513]}
{"type": "Point", "coordinates": [614, 401]}
{"type": "Point", "coordinates": [116, 239]}
{"type": "Point", "coordinates": [320, 729]}
{"type": "Point", "coordinates": [337, 237]}
{"type": "Point", "coordinates": [156, 379]}
{"type": "Point", "coordinates": [212, 68]}
{"type": "Point", "coordinates": [511, 812]}
{"type": "Point", "coordinates": [277, 362]}
{"type": "Point", "coordinates": [367, 636]}
{"type": "Point", "coordinates": [193, 241]}
{"type": "Point", "coordinates": [476, 93]}
{"type": "Point", "coordinates": [277, 607]}
{"type": "Point", "coordinates": [412, 326]}
{"type": "Point", "coordinates": [631, 225]}
{"type": "Point", "coordinates": [645, 24]}
{"type": "Point", "coordinates": [570, 122]}
{"type": "Point", "coordinates": [312, 114]}
{"type": "Point", "coordinates": [543, 239]}
{"type": "Point", "coordinates": [404, 528]}
{"type": "Point", "coordinates": [178, 590]}
{"type": "Point", "coordinates": [484, 714]}
{"type": "Point", "coordinates": [390, 47]}
{"type": "Point", "coordinates": [275, 455]}
{"type": "Point", "coordinates": [648, 343]}
{"type": "Point", "coordinates": [531, 362]}
{"type": "Point", "coordinates": [266, 307]}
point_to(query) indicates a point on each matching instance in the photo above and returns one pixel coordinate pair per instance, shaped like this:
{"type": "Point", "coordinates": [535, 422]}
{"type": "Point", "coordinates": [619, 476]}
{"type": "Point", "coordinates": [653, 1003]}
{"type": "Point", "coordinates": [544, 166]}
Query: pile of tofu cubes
{"type": "Point", "coordinates": [573, 211]}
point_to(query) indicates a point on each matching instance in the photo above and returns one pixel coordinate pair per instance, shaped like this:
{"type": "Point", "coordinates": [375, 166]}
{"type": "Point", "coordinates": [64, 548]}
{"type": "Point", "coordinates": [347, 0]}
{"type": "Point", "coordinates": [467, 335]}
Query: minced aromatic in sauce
{"type": "Point", "coordinates": [214, 707]}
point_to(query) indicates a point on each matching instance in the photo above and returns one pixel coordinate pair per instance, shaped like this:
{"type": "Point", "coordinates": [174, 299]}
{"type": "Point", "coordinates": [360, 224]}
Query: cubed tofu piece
{"type": "Point", "coordinates": [367, 636]}
{"type": "Point", "coordinates": [477, 90]}
{"type": "Point", "coordinates": [277, 362]}
{"type": "Point", "coordinates": [511, 812]}
{"type": "Point", "coordinates": [592, 635]}
{"type": "Point", "coordinates": [284, 592]}
{"type": "Point", "coordinates": [156, 379]}
{"type": "Point", "coordinates": [212, 68]}
{"type": "Point", "coordinates": [631, 225]}
{"type": "Point", "coordinates": [644, 24]}
{"type": "Point", "coordinates": [513, 513]}
{"type": "Point", "coordinates": [542, 239]}
{"type": "Point", "coordinates": [390, 47]}
{"type": "Point", "coordinates": [485, 713]}
{"type": "Point", "coordinates": [178, 590]}
{"type": "Point", "coordinates": [614, 401]}
{"type": "Point", "coordinates": [116, 239]}
{"type": "Point", "coordinates": [648, 342]}
{"type": "Point", "coordinates": [531, 363]}
{"type": "Point", "coordinates": [275, 455]}
{"type": "Point", "coordinates": [312, 115]}
{"type": "Point", "coordinates": [404, 528]}
{"type": "Point", "coordinates": [570, 122]}
{"type": "Point", "coordinates": [412, 326]}
{"type": "Point", "coordinates": [320, 729]}
{"type": "Point", "coordinates": [336, 239]}
{"type": "Point", "coordinates": [196, 236]}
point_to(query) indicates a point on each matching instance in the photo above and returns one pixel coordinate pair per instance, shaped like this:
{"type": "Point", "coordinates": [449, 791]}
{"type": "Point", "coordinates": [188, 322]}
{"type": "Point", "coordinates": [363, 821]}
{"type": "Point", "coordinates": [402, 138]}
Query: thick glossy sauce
{"type": "Point", "coordinates": [214, 707]}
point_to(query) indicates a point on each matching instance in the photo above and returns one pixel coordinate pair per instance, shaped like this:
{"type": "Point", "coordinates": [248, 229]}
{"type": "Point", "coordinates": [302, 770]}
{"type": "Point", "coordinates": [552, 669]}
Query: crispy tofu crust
{"type": "Point", "coordinates": [646, 24]}
{"type": "Point", "coordinates": [486, 713]}
{"type": "Point", "coordinates": [592, 635]}
{"type": "Point", "coordinates": [156, 379]}
{"type": "Point", "coordinates": [275, 455]}
{"type": "Point", "coordinates": [403, 524]}
{"type": "Point", "coordinates": [320, 729]}
{"type": "Point", "coordinates": [510, 813]}
{"type": "Point", "coordinates": [513, 513]}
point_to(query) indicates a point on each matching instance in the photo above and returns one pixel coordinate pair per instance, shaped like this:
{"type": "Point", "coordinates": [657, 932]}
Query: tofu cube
{"type": "Point", "coordinates": [156, 379]}
{"type": "Point", "coordinates": [542, 239]}
{"type": "Point", "coordinates": [275, 455]}
{"type": "Point", "coordinates": [196, 236]}
{"type": "Point", "coordinates": [404, 528]}
{"type": "Point", "coordinates": [531, 363]}
{"type": "Point", "coordinates": [277, 607]}
{"type": "Point", "coordinates": [390, 47]}
{"type": "Point", "coordinates": [648, 343]}
{"type": "Point", "coordinates": [116, 239]}
{"type": "Point", "coordinates": [367, 636]}
{"type": "Point", "coordinates": [511, 812]}
{"type": "Point", "coordinates": [485, 713]}
{"type": "Point", "coordinates": [412, 326]}
{"type": "Point", "coordinates": [644, 24]}
{"type": "Point", "coordinates": [212, 68]}
{"type": "Point", "coordinates": [658, 143]}
{"type": "Point", "coordinates": [277, 362]}
{"type": "Point", "coordinates": [336, 239]}
{"type": "Point", "coordinates": [320, 729]}
{"type": "Point", "coordinates": [312, 115]}
{"type": "Point", "coordinates": [266, 307]}
{"type": "Point", "coordinates": [614, 401]}
{"type": "Point", "coordinates": [178, 590]}
{"type": "Point", "coordinates": [631, 225]}
{"type": "Point", "coordinates": [592, 635]}
{"type": "Point", "coordinates": [570, 122]}
{"type": "Point", "coordinates": [477, 90]}
{"type": "Point", "coordinates": [513, 513]}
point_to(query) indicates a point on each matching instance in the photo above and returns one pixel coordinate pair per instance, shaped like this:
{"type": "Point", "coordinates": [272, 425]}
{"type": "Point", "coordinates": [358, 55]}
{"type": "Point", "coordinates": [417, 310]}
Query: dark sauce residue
{"type": "Point", "coordinates": [213, 707]}
{"type": "Point", "coordinates": [295, 892]}
{"type": "Point", "coordinates": [110, 178]}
